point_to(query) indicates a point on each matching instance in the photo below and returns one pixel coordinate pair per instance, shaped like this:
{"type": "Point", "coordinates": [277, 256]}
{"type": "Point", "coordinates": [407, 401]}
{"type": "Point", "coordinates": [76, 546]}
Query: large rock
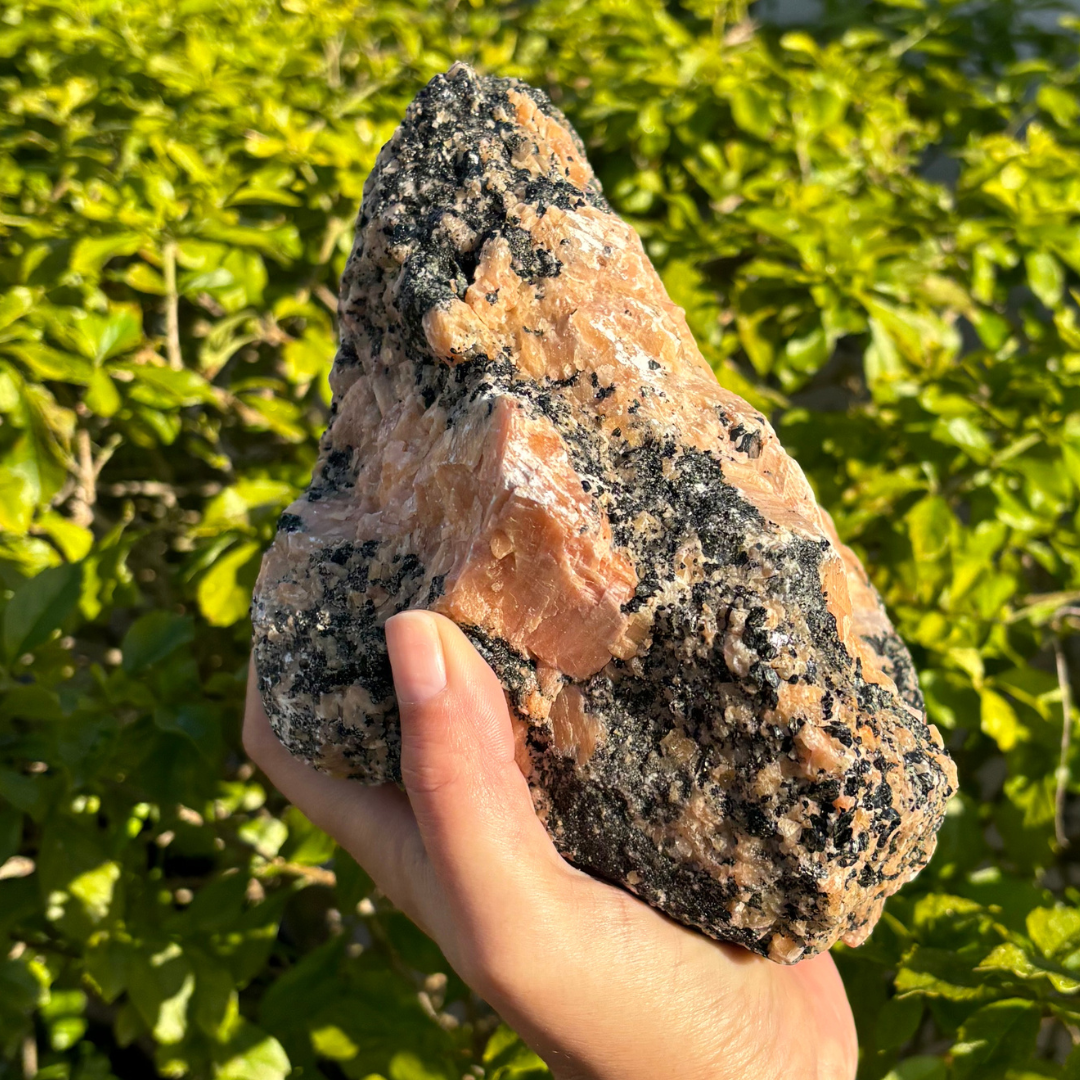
{"type": "Point", "coordinates": [712, 707]}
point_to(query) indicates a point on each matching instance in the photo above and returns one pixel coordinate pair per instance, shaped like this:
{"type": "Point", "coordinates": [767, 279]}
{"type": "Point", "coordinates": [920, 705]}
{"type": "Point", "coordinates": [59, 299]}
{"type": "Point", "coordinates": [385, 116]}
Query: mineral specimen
{"type": "Point", "coordinates": [712, 708]}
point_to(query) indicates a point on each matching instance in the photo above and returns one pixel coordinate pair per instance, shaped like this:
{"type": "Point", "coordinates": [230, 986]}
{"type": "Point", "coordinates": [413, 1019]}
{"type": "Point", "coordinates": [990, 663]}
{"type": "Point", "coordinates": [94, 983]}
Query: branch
{"type": "Point", "coordinates": [1062, 772]}
{"type": "Point", "coordinates": [172, 307]}
{"type": "Point", "coordinates": [327, 297]}
{"type": "Point", "coordinates": [313, 875]}
{"type": "Point", "coordinates": [29, 1057]}
{"type": "Point", "coordinates": [87, 470]}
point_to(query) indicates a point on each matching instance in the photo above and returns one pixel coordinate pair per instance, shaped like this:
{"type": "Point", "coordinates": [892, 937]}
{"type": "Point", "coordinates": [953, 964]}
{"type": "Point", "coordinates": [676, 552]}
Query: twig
{"type": "Point", "coordinates": [1062, 773]}
{"type": "Point", "coordinates": [29, 1057]}
{"type": "Point", "coordinates": [327, 297]}
{"type": "Point", "coordinates": [86, 486]}
{"type": "Point", "coordinates": [333, 50]}
{"type": "Point", "coordinates": [88, 469]}
{"type": "Point", "coordinates": [156, 489]}
{"type": "Point", "coordinates": [247, 414]}
{"type": "Point", "coordinates": [172, 307]}
{"type": "Point", "coordinates": [313, 875]}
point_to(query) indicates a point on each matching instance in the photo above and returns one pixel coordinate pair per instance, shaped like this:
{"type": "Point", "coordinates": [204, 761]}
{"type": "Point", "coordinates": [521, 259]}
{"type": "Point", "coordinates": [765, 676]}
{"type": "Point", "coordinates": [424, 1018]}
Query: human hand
{"type": "Point", "coordinates": [598, 983]}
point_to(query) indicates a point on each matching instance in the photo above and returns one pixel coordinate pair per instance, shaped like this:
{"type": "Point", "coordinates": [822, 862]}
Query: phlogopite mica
{"type": "Point", "coordinates": [711, 706]}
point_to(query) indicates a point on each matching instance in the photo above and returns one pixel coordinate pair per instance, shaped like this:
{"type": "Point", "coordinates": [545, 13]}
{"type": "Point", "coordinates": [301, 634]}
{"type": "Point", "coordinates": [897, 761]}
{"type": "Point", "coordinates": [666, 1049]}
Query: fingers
{"type": "Point", "coordinates": [471, 802]}
{"type": "Point", "coordinates": [464, 854]}
{"type": "Point", "coordinates": [374, 824]}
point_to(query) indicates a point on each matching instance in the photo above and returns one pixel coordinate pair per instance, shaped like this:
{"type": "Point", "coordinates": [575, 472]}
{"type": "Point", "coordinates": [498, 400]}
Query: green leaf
{"type": "Point", "coordinates": [897, 1021]}
{"type": "Point", "coordinates": [9, 392]}
{"type": "Point", "coordinates": [40, 606]}
{"type": "Point", "coordinates": [1012, 958]}
{"type": "Point", "coordinates": [19, 491]}
{"type": "Point", "coordinates": [224, 593]}
{"type": "Point", "coordinates": [750, 109]}
{"type": "Point", "coordinates": [217, 906]}
{"type": "Point", "coordinates": [795, 41]}
{"type": "Point", "coordinates": [942, 973]}
{"type": "Point", "coordinates": [408, 1066]}
{"type": "Point", "coordinates": [106, 965]}
{"type": "Point", "coordinates": [998, 720]}
{"type": "Point", "coordinates": [99, 337]}
{"type": "Point", "coordinates": [1059, 103]}
{"type": "Point", "coordinates": [19, 990]}
{"type": "Point", "coordinates": [204, 281]}
{"type": "Point", "coordinates": [308, 357]}
{"type": "Point", "coordinates": [195, 721]}
{"type": "Point", "coordinates": [215, 1005]}
{"type": "Point", "coordinates": [153, 637]}
{"type": "Point", "coordinates": [14, 304]}
{"type": "Point", "coordinates": [101, 396]}
{"type": "Point", "coordinates": [11, 822]}
{"type": "Point", "coordinates": [353, 884]}
{"type": "Point", "coordinates": [962, 432]}
{"type": "Point", "coordinates": [74, 541]}
{"type": "Point", "coordinates": [144, 278]}
{"type": "Point", "coordinates": [303, 989]}
{"type": "Point", "coordinates": [187, 157]}
{"type": "Point", "coordinates": [23, 792]}
{"type": "Point", "coordinates": [1002, 1033]}
{"type": "Point", "coordinates": [307, 845]}
{"type": "Point", "coordinates": [251, 1054]}
{"type": "Point", "coordinates": [329, 1041]}
{"type": "Point", "coordinates": [506, 1057]}
{"type": "Point", "coordinates": [930, 523]}
{"type": "Point", "coordinates": [1056, 931]}
{"type": "Point", "coordinates": [95, 889]}
{"type": "Point", "coordinates": [1045, 277]}
{"type": "Point", "coordinates": [160, 986]}
{"type": "Point", "coordinates": [92, 253]}
{"type": "Point", "coordinates": [165, 388]}
{"type": "Point", "coordinates": [231, 508]}
{"type": "Point", "coordinates": [921, 1067]}
{"type": "Point", "coordinates": [264, 834]}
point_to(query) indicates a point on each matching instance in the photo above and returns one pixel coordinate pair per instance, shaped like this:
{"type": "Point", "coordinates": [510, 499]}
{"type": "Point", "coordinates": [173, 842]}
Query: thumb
{"type": "Point", "coordinates": [471, 802]}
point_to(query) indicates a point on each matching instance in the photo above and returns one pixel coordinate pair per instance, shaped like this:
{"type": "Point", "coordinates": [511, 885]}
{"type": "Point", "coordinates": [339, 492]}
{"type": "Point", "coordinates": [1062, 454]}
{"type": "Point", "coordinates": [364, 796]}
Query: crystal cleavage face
{"type": "Point", "coordinates": [712, 708]}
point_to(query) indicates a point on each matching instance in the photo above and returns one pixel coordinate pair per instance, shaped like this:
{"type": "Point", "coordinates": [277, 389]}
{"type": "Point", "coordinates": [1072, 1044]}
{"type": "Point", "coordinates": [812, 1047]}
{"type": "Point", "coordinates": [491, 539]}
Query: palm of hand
{"type": "Point", "coordinates": [594, 980]}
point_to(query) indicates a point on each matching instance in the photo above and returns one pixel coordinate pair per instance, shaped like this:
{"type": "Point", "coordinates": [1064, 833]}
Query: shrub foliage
{"type": "Point", "coordinates": [874, 226]}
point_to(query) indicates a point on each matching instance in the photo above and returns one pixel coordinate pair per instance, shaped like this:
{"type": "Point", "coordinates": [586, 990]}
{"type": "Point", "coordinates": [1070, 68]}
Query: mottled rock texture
{"type": "Point", "coordinates": [712, 707]}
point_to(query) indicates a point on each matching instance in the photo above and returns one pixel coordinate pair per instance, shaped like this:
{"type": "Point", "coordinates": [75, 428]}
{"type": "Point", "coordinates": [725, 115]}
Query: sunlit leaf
{"type": "Point", "coordinates": [95, 889]}
{"type": "Point", "coordinates": [930, 524]}
{"type": "Point", "coordinates": [224, 597]}
{"type": "Point", "coordinates": [265, 835]}
{"type": "Point", "coordinates": [998, 720]}
{"type": "Point", "coordinates": [92, 253]}
{"type": "Point", "coordinates": [921, 1067]}
{"type": "Point", "coordinates": [251, 1054]}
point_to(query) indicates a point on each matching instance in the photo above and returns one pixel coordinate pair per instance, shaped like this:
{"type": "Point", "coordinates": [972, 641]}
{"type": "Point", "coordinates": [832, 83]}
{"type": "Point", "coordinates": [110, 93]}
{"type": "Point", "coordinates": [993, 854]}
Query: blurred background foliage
{"type": "Point", "coordinates": [873, 222]}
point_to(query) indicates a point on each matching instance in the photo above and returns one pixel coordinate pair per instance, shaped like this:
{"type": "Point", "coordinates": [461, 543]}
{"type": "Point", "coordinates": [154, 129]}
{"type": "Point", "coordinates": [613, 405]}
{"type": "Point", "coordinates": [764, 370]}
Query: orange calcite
{"type": "Point", "coordinates": [711, 706]}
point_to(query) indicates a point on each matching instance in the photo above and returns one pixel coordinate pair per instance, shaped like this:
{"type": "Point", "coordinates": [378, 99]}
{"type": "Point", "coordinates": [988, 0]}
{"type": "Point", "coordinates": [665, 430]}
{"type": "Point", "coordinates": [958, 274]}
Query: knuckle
{"type": "Point", "coordinates": [402, 876]}
{"type": "Point", "coordinates": [427, 774]}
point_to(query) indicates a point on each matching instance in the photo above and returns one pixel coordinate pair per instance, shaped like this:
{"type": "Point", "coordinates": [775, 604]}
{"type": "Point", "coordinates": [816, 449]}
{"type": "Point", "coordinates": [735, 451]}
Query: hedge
{"type": "Point", "coordinates": [873, 223]}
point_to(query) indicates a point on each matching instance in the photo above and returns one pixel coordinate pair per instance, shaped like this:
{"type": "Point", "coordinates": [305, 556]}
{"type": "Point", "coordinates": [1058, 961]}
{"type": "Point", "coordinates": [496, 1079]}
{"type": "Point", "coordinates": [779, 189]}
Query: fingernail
{"type": "Point", "coordinates": [416, 656]}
